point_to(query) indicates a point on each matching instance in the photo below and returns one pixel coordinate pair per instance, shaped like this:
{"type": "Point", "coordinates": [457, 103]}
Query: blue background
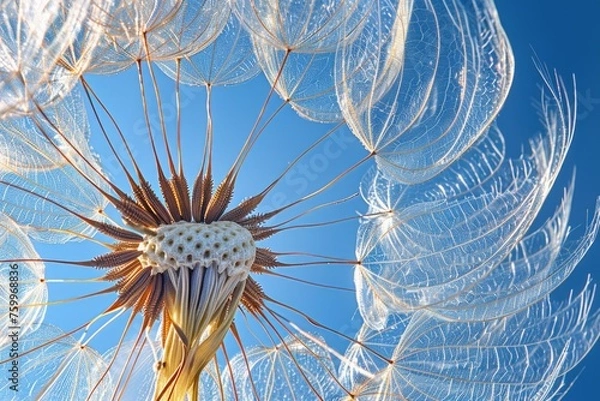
{"type": "Point", "coordinates": [565, 36]}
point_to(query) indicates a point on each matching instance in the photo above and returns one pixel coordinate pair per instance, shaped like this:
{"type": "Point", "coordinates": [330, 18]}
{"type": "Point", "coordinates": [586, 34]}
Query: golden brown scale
{"type": "Point", "coordinates": [134, 213]}
{"type": "Point", "coordinates": [131, 291]}
{"type": "Point", "coordinates": [116, 258]}
{"type": "Point", "coordinates": [207, 193]}
{"type": "Point", "coordinates": [262, 233]}
{"type": "Point", "coordinates": [130, 282]}
{"type": "Point", "coordinates": [265, 258]}
{"type": "Point", "coordinates": [124, 245]}
{"type": "Point", "coordinates": [180, 188]}
{"type": "Point", "coordinates": [122, 271]}
{"type": "Point", "coordinates": [219, 201]}
{"type": "Point", "coordinates": [140, 197]}
{"type": "Point", "coordinates": [253, 296]}
{"type": "Point", "coordinates": [148, 195]}
{"type": "Point", "coordinates": [165, 327]}
{"type": "Point", "coordinates": [118, 233]}
{"type": "Point", "coordinates": [198, 198]}
{"type": "Point", "coordinates": [141, 301]}
{"type": "Point", "coordinates": [169, 196]}
{"type": "Point", "coordinates": [257, 219]}
{"type": "Point", "coordinates": [154, 305]}
{"type": "Point", "coordinates": [246, 207]}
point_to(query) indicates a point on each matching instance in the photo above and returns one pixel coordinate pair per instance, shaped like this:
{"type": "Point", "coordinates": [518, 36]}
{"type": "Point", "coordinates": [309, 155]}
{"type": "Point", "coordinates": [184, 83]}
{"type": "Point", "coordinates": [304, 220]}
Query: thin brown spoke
{"type": "Point", "coordinates": [316, 208]}
{"type": "Point", "coordinates": [230, 372]}
{"type": "Point", "coordinates": [285, 345]}
{"type": "Point", "coordinates": [110, 144]}
{"type": "Point", "coordinates": [250, 138]}
{"type": "Point", "coordinates": [238, 339]}
{"type": "Point", "coordinates": [316, 323]}
{"type": "Point", "coordinates": [135, 354]}
{"type": "Point", "coordinates": [331, 374]}
{"type": "Point", "coordinates": [113, 231]}
{"type": "Point", "coordinates": [323, 223]}
{"type": "Point", "coordinates": [142, 190]}
{"type": "Point", "coordinates": [178, 116]}
{"type": "Point", "coordinates": [112, 360]}
{"type": "Point", "coordinates": [78, 152]}
{"type": "Point", "coordinates": [260, 218]}
{"type": "Point", "coordinates": [159, 105]}
{"type": "Point", "coordinates": [73, 299]}
{"type": "Point", "coordinates": [308, 282]}
{"type": "Point", "coordinates": [125, 205]}
{"type": "Point", "coordinates": [47, 343]}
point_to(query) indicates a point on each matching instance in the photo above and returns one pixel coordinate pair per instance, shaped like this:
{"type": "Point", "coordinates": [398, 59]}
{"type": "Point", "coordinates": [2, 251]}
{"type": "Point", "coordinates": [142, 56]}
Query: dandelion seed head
{"type": "Point", "coordinates": [211, 297]}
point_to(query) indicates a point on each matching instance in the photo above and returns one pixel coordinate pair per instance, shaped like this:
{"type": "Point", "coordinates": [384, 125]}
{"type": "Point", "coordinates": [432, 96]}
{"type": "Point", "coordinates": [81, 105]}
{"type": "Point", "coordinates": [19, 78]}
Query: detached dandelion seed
{"type": "Point", "coordinates": [198, 252]}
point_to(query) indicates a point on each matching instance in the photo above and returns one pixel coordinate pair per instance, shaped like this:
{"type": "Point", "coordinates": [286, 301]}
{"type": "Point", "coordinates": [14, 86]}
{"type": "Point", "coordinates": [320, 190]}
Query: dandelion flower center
{"type": "Point", "coordinates": [223, 244]}
{"type": "Point", "coordinates": [205, 267]}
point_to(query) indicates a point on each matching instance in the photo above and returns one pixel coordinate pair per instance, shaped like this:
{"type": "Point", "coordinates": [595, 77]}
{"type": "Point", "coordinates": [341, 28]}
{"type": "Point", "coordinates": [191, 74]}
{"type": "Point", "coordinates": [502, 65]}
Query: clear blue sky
{"type": "Point", "coordinates": [563, 37]}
